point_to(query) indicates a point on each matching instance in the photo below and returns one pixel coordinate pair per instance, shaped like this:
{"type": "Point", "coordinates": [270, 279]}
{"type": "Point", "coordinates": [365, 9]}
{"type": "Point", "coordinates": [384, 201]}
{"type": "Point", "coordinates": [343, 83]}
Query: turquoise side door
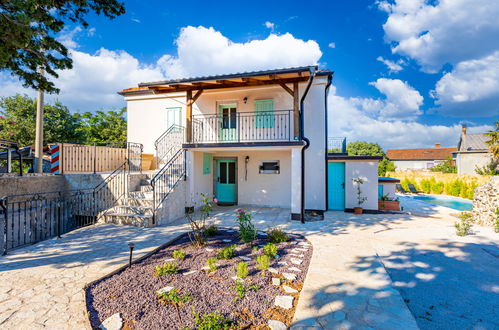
{"type": "Point", "coordinates": [225, 185]}
{"type": "Point", "coordinates": [336, 186]}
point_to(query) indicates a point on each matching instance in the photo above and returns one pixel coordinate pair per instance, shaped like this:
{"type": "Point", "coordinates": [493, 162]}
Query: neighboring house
{"type": "Point", "coordinates": [472, 152]}
{"type": "Point", "coordinates": [419, 159]}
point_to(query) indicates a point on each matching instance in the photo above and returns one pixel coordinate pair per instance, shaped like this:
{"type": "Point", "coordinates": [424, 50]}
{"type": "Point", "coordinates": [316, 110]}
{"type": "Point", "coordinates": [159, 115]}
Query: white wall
{"type": "Point", "coordinates": [389, 189]}
{"type": "Point", "coordinates": [272, 190]}
{"type": "Point", "coordinates": [467, 162]}
{"type": "Point", "coordinates": [415, 165]}
{"type": "Point", "coordinates": [369, 172]}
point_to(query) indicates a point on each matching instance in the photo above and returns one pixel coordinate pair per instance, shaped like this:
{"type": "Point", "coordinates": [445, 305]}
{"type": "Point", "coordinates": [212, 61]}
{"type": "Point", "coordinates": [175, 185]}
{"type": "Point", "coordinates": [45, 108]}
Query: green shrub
{"type": "Point", "coordinates": [227, 252]}
{"type": "Point", "coordinates": [255, 248]}
{"type": "Point", "coordinates": [174, 298]}
{"type": "Point", "coordinates": [242, 269]}
{"type": "Point", "coordinates": [462, 228]}
{"type": "Point", "coordinates": [212, 264]}
{"type": "Point", "coordinates": [179, 254]}
{"type": "Point", "coordinates": [270, 250]}
{"type": "Point", "coordinates": [167, 268]}
{"type": "Point", "coordinates": [210, 231]}
{"type": "Point", "coordinates": [212, 321]}
{"type": "Point", "coordinates": [426, 186]}
{"type": "Point", "coordinates": [277, 236]}
{"type": "Point", "coordinates": [263, 262]}
{"type": "Point", "coordinates": [496, 223]}
{"type": "Point", "coordinates": [437, 187]}
{"type": "Point", "coordinates": [405, 183]}
{"type": "Point", "coordinates": [247, 231]}
{"type": "Point", "coordinates": [466, 216]}
{"type": "Point", "coordinates": [241, 289]}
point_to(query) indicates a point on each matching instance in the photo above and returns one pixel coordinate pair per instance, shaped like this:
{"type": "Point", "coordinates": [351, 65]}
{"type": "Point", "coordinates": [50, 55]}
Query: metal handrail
{"type": "Point", "coordinates": [169, 142]}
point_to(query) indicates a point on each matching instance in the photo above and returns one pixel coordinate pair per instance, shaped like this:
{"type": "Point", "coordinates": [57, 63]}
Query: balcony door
{"type": "Point", "coordinates": [227, 131]}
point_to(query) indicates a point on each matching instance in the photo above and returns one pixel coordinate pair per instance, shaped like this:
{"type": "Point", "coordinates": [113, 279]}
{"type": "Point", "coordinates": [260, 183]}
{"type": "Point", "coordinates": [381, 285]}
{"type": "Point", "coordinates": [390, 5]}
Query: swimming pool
{"type": "Point", "coordinates": [455, 203]}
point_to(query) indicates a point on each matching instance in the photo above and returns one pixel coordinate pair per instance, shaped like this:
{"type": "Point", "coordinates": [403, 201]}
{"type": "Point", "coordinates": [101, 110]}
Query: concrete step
{"type": "Point", "coordinates": [145, 182]}
{"type": "Point", "coordinates": [131, 209]}
{"type": "Point", "coordinates": [145, 188]}
{"type": "Point", "coordinates": [140, 195]}
{"type": "Point", "coordinates": [129, 219]}
{"type": "Point", "coordinates": [137, 201]}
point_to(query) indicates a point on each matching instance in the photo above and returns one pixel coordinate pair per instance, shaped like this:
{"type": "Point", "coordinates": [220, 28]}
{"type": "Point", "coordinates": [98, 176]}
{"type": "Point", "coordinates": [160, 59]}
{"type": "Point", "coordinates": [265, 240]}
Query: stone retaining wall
{"type": "Point", "coordinates": [486, 202]}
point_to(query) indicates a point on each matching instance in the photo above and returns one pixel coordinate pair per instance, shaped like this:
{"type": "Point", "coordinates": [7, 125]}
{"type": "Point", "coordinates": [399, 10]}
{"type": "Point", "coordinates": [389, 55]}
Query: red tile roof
{"type": "Point", "coordinates": [420, 154]}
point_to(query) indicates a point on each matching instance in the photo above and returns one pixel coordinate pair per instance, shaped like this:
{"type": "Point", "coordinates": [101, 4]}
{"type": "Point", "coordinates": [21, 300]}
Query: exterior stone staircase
{"type": "Point", "coordinates": [136, 209]}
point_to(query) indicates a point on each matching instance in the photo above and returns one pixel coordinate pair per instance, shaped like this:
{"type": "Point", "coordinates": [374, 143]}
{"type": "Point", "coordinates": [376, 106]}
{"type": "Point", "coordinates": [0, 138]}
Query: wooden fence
{"type": "Point", "coordinates": [75, 158]}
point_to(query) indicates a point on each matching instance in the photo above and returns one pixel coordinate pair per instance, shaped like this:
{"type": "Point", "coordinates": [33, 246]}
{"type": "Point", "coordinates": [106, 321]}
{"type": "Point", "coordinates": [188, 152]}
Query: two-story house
{"type": "Point", "coordinates": [253, 138]}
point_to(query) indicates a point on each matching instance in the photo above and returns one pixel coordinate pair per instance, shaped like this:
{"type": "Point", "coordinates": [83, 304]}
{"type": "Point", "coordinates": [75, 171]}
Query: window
{"type": "Point", "coordinates": [269, 167]}
{"type": "Point", "coordinates": [264, 113]}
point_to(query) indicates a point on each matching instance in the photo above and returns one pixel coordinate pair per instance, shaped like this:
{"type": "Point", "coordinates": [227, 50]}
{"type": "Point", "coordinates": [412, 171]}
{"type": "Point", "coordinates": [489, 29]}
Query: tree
{"type": "Point", "coordinates": [493, 141]}
{"type": "Point", "coordinates": [447, 166]}
{"type": "Point", "coordinates": [361, 148]}
{"type": "Point", "coordinates": [27, 34]}
{"type": "Point", "coordinates": [17, 121]}
{"type": "Point", "coordinates": [104, 126]}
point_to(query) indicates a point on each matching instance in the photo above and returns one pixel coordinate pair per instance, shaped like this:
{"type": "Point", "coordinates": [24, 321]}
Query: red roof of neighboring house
{"type": "Point", "coordinates": [420, 154]}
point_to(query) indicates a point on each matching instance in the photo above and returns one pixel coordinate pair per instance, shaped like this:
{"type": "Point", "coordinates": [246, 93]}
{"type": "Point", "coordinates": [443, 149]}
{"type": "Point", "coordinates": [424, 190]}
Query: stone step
{"type": "Point", "coordinates": [136, 201]}
{"type": "Point", "coordinates": [145, 182]}
{"type": "Point", "coordinates": [129, 219]}
{"type": "Point", "coordinates": [145, 188]}
{"type": "Point", "coordinates": [140, 194]}
{"type": "Point", "coordinates": [131, 209]}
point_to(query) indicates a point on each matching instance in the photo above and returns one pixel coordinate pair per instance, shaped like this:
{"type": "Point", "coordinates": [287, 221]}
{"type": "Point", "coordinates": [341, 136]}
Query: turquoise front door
{"type": "Point", "coordinates": [336, 186]}
{"type": "Point", "coordinates": [225, 185]}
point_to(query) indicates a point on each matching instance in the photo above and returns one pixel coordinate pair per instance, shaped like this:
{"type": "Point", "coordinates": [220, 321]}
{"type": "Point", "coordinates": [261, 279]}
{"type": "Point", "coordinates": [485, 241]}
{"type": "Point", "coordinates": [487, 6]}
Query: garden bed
{"type": "Point", "coordinates": [133, 292]}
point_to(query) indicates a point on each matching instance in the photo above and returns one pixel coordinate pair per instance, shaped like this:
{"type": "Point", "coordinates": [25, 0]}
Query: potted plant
{"type": "Point", "coordinates": [360, 199]}
{"type": "Point", "coordinates": [386, 203]}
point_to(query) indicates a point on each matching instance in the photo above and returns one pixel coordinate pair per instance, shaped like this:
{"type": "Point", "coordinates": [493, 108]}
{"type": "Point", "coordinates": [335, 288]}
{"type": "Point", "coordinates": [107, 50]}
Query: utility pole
{"type": "Point", "coordinates": [39, 130]}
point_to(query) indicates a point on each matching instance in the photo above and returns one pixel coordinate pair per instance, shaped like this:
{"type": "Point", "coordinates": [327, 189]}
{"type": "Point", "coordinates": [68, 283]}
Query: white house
{"type": "Point", "coordinates": [254, 138]}
{"type": "Point", "coordinates": [421, 159]}
{"type": "Point", "coordinates": [472, 152]}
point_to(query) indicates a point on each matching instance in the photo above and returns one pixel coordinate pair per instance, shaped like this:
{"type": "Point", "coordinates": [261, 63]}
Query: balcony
{"type": "Point", "coordinates": [230, 126]}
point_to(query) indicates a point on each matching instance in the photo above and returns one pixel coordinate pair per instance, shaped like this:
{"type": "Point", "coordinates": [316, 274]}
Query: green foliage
{"type": "Point", "coordinates": [446, 166]}
{"type": "Point", "coordinates": [242, 289]}
{"type": "Point", "coordinates": [255, 248]}
{"type": "Point", "coordinates": [242, 269]}
{"type": "Point", "coordinates": [493, 141]}
{"type": "Point", "coordinates": [212, 264]}
{"type": "Point", "coordinates": [496, 222]}
{"type": "Point", "coordinates": [104, 126]}
{"type": "Point", "coordinates": [270, 250]}
{"type": "Point", "coordinates": [491, 168]}
{"type": "Point", "coordinates": [179, 254]}
{"type": "Point", "coordinates": [29, 36]}
{"type": "Point", "coordinates": [437, 187]}
{"type": "Point", "coordinates": [463, 227]}
{"type": "Point", "coordinates": [212, 321]}
{"type": "Point", "coordinates": [263, 262]}
{"type": "Point", "coordinates": [361, 148]}
{"type": "Point", "coordinates": [227, 252]}
{"type": "Point", "coordinates": [425, 185]}
{"type": "Point", "coordinates": [174, 298]}
{"type": "Point", "coordinates": [276, 235]}
{"type": "Point", "coordinates": [210, 231]}
{"type": "Point", "coordinates": [360, 199]}
{"type": "Point", "coordinates": [385, 165]}
{"type": "Point", "coordinates": [247, 231]}
{"type": "Point", "coordinates": [167, 268]}
{"type": "Point", "coordinates": [198, 225]}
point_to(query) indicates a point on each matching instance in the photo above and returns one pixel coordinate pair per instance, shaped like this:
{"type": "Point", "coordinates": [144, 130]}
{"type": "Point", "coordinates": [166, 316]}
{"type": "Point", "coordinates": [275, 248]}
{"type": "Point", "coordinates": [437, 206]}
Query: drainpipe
{"type": "Point", "coordinates": [307, 142]}
{"type": "Point", "coordinates": [326, 92]}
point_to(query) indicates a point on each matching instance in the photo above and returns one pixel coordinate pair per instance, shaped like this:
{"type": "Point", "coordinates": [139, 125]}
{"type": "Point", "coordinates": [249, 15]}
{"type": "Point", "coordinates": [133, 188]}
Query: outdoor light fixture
{"type": "Point", "coordinates": [245, 100]}
{"type": "Point", "coordinates": [131, 246]}
{"type": "Point", "coordinates": [246, 161]}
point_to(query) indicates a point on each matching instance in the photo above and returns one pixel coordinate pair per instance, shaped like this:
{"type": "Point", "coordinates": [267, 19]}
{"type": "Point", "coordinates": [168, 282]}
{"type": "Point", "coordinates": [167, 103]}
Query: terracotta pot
{"type": "Point", "coordinates": [357, 210]}
{"type": "Point", "coordinates": [389, 205]}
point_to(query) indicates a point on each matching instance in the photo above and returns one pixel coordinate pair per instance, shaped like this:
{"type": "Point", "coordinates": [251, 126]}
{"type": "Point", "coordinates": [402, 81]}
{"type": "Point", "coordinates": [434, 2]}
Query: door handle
{"type": "Point", "coordinates": [343, 185]}
{"type": "Point", "coordinates": [218, 179]}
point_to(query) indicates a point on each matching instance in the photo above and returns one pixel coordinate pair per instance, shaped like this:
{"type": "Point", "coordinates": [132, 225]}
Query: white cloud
{"type": "Point", "coordinates": [332, 45]}
{"type": "Point", "coordinates": [67, 37]}
{"type": "Point", "coordinates": [269, 25]}
{"type": "Point", "coordinates": [348, 118]}
{"type": "Point", "coordinates": [394, 67]}
{"type": "Point", "coordinates": [471, 87]}
{"type": "Point", "coordinates": [205, 51]}
{"type": "Point", "coordinates": [438, 32]}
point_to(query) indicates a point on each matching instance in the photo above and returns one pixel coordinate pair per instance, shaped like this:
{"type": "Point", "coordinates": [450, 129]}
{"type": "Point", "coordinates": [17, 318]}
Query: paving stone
{"type": "Point", "coordinates": [276, 281]}
{"type": "Point", "coordinates": [164, 290]}
{"type": "Point", "coordinates": [209, 249]}
{"type": "Point", "coordinates": [289, 289]}
{"type": "Point", "coordinates": [205, 268]}
{"type": "Point", "coordinates": [189, 273]}
{"type": "Point", "coordinates": [169, 260]}
{"type": "Point", "coordinates": [294, 269]}
{"type": "Point", "coordinates": [296, 261]}
{"type": "Point", "coordinates": [114, 322]}
{"type": "Point", "coordinates": [277, 325]}
{"type": "Point", "coordinates": [282, 263]}
{"type": "Point", "coordinates": [227, 240]}
{"type": "Point", "coordinates": [245, 258]}
{"type": "Point", "coordinates": [289, 276]}
{"type": "Point", "coordinates": [272, 270]}
{"type": "Point", "coordinates": [297, 255]}
{"type": "Point", "coordinates": [236, 278]}
{"type": "Point", "coordinates": [285, 302]}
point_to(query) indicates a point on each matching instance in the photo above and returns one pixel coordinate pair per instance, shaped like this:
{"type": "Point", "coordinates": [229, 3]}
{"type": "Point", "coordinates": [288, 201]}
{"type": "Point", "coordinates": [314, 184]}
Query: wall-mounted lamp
{"type": "Point", "coordinates": [130, 246]}
{"type": "Point", "coordinates": [245, 100]}
{"type": "Point", "coordinates": [246, 161]}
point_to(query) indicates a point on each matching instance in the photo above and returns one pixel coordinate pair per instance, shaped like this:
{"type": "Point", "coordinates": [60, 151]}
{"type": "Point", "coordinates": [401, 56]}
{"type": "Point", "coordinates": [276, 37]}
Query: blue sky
{"type": "Point", "coordinates": [408, 73]}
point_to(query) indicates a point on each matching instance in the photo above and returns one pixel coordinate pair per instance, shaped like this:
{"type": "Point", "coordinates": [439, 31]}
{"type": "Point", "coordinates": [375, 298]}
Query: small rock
{"type": "Point", "coordinates": [277, 256]}
{"type": "Point", "coordinates": [227, 240]}
{"type": "Point", "coordinates": [238, 249]}
{"type": "Point", "coordinates": [282, 263]}
{"type": "Point", "coordinates": [289, 289]}
{"type": "Point", "coordinates": [304, 244]}
{"type": "Point", "coordinates": [272, 270]}
{"type": "Point", "coordinates": [209, 249]}
{"type": "Point", "coordinates": [205, 268]}
{"type": "Point", "coordinates": [189, 273]}
{"type": "Point", "coordinates": [297, 255]}
{"type": "Point", "coordinates": [276, 281]}
{"type": "Point", "coordinates": [289, 276]}
{"type": "Point", "coordinates": [285, 302]}
{"type": "Point", "coordinates": [264, 234]}
{"type": "Point", "coordinates": [169, 260]}
{"type": "Point", "coordinates": [245, 258]}
{"type": "Point", "coordinates": [277, 325]}
{"type": "Point", "coordinates": [296, 261]}
{"type": "Point", "coordinates": [294, 269]}
{"type": "Point", "coordinates": [236, 278]}
{"type": "Point", "coordinates": [164, 290]}
{"type": "Point", "coordinates": [114, 322]}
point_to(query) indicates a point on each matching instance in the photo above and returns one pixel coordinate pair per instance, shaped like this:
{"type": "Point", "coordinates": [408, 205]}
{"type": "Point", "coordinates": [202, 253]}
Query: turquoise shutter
{"type": "Point", "coordinates": [207, 161]}
{"type": "Point", "coordinates": [264, 113]}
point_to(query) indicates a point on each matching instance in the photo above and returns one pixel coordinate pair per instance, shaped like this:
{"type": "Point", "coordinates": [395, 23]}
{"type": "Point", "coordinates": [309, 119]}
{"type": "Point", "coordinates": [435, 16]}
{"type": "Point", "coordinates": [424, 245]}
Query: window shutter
{"type": "Point", "coordinates": [264, 113]}
{"type": "Point", "coordinates": [207, 162]}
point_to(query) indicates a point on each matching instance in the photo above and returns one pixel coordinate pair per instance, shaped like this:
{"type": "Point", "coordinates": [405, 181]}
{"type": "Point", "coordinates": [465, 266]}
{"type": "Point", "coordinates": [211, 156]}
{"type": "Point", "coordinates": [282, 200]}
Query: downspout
{"type": "Point", "coordinates": [307, 142]}
{"type": "Point", "coordinates": [326, 92]}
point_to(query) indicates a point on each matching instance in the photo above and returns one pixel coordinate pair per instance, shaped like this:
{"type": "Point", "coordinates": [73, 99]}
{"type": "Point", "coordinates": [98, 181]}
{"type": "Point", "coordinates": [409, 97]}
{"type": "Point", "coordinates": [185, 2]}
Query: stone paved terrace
{"type": "Point", "coordinates": [362, 269]}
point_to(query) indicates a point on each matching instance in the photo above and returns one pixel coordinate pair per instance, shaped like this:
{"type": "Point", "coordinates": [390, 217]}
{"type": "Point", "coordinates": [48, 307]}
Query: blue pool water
{"type": "Point", "coordinates": [447, 201]}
